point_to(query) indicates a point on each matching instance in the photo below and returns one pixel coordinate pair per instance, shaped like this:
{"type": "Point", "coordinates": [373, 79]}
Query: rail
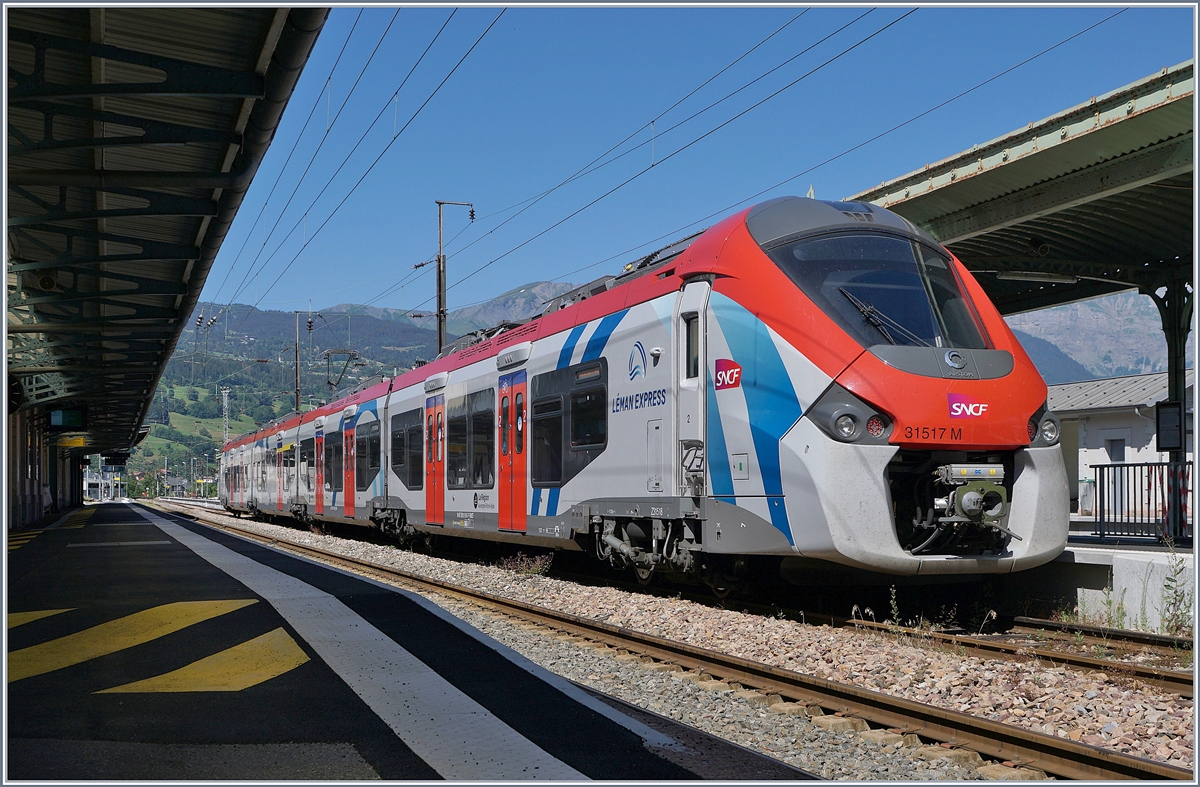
{"type": "Point", "coordinates": [1057, 756]}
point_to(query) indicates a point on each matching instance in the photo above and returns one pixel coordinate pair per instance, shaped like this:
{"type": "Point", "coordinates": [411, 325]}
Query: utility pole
{"type": "Point", "coordinates": [225, 413]}
{"type": "Point", "coordinates": [441, 273]}
{"type": "Point", "coordinates": [297, 361]}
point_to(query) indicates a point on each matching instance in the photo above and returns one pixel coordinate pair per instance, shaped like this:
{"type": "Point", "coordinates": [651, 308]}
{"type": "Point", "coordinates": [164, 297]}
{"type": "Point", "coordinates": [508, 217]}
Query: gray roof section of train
{"type": "Point", "coordinates": [786, 218]}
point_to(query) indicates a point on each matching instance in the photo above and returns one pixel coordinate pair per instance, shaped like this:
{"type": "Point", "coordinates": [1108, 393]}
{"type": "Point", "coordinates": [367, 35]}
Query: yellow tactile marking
{"type": "Point", "coordinates": [237, 668]}
{"type": "Point", "coordinates": [21, 618]}
{"type": "Point", "coordinates": [114, 636]}
{"type": "Point", "coordinates": [18, 540]}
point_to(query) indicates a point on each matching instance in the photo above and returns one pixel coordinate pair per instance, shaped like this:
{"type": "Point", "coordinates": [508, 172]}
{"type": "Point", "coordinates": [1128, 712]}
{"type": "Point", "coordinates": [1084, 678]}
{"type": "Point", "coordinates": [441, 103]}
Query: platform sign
{"type": "Point", "coordinates": [71, 442]}
{"type": "Point", "coordinates": [1168, 417]}
{"type": "Point", "coordinates": [72, 420]}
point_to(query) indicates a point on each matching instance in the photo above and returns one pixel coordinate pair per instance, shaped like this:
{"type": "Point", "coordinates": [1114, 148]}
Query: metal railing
{"type": "Point", "coordinates": [1134, 500]}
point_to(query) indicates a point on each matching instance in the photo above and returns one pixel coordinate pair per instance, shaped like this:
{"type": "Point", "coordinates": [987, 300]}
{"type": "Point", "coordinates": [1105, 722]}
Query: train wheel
{"type": "Point", "coordinates": [644, 575]}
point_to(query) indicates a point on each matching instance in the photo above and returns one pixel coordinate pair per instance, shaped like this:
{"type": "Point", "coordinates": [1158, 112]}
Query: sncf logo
{"type": "Point", "coordinates": [965, 407]}
{"type": "Point", "coordinates": [729, 374]}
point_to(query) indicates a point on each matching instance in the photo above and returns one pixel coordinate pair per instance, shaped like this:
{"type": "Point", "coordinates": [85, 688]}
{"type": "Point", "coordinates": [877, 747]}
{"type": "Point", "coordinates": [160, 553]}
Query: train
{"type": "Point", "coordinates": [805, 382]}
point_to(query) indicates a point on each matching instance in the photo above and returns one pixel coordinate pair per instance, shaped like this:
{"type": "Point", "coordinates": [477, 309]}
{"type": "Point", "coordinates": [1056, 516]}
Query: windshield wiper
{"type": "Point", "coordinates": [882, 322]}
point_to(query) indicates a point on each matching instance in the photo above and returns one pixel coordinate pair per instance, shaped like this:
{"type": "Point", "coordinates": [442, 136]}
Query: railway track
{"type": "Point", "coordinates": [1056, 756]}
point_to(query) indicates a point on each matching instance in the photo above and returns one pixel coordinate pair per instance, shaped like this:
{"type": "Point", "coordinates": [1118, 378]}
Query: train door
{"type": "Point", "coordinates": [348, 468]}
{"type": "Point", "coordinates": [319, 503]}
{"type": "Point", "coordinates": [690, 372]}
{"type": "Point", "coordinates": [513, 478]}
{"type": "Point", "coordinates": [435, 460]}
{"type": "Point", "coordinates": [279, 457]}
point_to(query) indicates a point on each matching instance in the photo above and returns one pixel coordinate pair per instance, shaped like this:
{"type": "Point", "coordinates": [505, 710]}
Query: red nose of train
{"type": "Point", "coordinates": [987, 404]}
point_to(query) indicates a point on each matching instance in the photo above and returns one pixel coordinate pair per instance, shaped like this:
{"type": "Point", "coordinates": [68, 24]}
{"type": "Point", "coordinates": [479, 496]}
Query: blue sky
{"type": "Point", "coordinates": [548, 90]}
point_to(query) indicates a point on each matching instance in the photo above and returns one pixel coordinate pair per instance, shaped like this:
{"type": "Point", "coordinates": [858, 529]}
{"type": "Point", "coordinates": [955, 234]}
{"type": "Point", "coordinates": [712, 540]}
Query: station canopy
{"type": "Point", "coordinates": [1093, 200]}
{"type": "Point", "coordinates": [133, 135]}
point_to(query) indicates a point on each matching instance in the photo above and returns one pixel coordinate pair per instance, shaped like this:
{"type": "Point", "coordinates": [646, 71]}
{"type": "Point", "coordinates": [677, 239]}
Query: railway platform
{"type": "Point", "coordinates": [143, 646]}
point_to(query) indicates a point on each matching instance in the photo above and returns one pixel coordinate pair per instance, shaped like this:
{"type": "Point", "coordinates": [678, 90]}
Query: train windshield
{"type": "Point", "coordinates": [883, 289]}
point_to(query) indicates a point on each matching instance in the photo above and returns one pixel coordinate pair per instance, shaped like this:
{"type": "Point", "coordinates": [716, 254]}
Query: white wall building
{"type": "Point", "coordinates": [1111, 421]}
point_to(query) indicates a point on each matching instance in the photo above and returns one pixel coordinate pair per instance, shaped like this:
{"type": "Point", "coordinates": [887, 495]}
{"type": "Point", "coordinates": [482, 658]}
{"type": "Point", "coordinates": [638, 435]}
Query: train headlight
{"type": "Point", "coordinates": [1043, 428]}
{"type": "Point", "coordinates": [842, 416]}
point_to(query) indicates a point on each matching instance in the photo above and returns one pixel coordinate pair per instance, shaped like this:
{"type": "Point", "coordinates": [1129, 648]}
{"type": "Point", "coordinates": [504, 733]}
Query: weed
{"type": "Point", "coordinates": [1079, 639]}
{"type": "Point", "coordinates": [525, 566]}
{"type": "Point", "coordinates": [1099, 652]}
{"type": "Point", "coordinates": [1115, 612]}
{"type": "Point", "coordinates": [990, 616]}
{"type": "Point", "coordinates": [895, 607]}
{"type": "Point", "coordinates": [1177, 595]}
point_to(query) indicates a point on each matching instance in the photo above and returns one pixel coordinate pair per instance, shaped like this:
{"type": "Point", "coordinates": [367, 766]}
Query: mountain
{"type": "Point", "coordinates": [1115, 335]}
{"type": "Point", "coordinates": [1054, 365]}
{"type": "Point", "coordinates": [515, 305]}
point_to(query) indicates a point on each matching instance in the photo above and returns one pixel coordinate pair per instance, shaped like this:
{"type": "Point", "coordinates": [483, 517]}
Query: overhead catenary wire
{"type": "Point", "coordinates": [311, 112]}
{"type": "Point", "coordinates": [847, 151]}
{"type": "Point", "coordinates": [687, 145]}
{"type": "Point", "coordinates": [313, 157]}
{"type": "Point", "coordinates": [382, 153]}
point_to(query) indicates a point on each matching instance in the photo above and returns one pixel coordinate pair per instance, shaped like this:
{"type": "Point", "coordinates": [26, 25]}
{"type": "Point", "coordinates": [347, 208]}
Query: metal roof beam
{"type": "Point", "coordinates": [150, 287]}
{"type": "Point", "coordinates": [1154, 163]}
{"type": "Point", "coordinates": [94, 325]}
{"type": "Point", "coordinates": [182, 78]}
{"type": "Point", "coordinates": [158, 204]}
{"type": "Point", "coordinates": [154, 132]}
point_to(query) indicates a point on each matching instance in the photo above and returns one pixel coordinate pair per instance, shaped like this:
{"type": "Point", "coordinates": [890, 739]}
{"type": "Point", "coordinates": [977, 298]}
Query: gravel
{"type": "Point", "coordinates": [1091, 707]}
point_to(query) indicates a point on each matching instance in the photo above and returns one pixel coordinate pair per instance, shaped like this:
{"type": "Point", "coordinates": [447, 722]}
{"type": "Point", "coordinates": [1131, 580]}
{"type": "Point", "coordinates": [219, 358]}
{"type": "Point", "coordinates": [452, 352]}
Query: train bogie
{"type": "Point", "coordinates": [804, 379]}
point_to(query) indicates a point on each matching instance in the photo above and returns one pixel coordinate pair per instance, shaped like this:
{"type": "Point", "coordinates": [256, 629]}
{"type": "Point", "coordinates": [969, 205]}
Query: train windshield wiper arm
{"type": "Point", "coordinates": [882, 322]}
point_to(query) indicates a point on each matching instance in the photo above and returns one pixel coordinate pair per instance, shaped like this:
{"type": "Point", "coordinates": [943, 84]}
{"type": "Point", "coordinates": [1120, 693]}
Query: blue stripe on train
{"type": "Point", "coordinates": [537, 501]}
{"type": "Point", "coordinates": [568, 349]}
{"type": "Point", "coordinates": [771, 401]}
{"type": "Point", "coordinates": [718, 458]}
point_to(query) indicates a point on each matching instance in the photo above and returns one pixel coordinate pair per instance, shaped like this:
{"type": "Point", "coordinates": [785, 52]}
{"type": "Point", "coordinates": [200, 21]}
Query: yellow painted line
{"type": "Point", "coordinates": [116, 635]}
{"type": "Point", "coordinates": [237, 668]}
{"type": "Point", "coordinates": [21, 618]}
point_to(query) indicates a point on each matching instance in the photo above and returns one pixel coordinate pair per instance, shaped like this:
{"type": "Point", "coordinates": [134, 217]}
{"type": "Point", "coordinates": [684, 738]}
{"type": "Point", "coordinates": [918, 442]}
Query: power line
{"type": "Point", "coordinates": [847, 151]}
{"type": "Point", "coordinates": [313, 158]}
{"type": "Point", "coordinates": [288, 160]}
{"type": "Point", "coordinates": [676, 152]}
{"type": "Point", "coordinates": [380, 156]}
{"type": "Point", "coordinates": [365, 133]}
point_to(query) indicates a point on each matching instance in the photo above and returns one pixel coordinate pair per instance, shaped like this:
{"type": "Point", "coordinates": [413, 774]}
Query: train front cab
{"type": "Point", "coordinates": [925, 446]}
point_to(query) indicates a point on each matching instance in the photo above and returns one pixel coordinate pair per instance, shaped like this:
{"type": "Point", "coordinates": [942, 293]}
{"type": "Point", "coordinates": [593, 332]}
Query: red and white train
{"type": "Point", "coordinates": [805, 380]}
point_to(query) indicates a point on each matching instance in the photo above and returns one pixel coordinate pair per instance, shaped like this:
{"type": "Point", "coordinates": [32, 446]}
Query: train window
{"type": "Point", "coordinates": [429, 440]}
{"type": "Point", "coordinates": [373, 447]}
{"type": "Point", "coordinates": [504, 426]}
{"type": "Point", "coordinates": [441, 437]}
{"type": "Point", "coordinates": [457, 458]}
{"type": "Point", "coordinates": [398, 448]}
{"type": "Point", "coordinates": [883, 289]}
{"type": "Point", "coordinates": [333, 461]}
{"type": "Point", "coordinates": [483, 443]}
{"type": "Point", "coordinates": [307, 450]}
{"type": "Point", "coordinates": [471, 441]}
{"type": "Point", "coordinates": [416, 475]}
{"type": "Point", "coordinates": [589, 418]}
{"type": "Point", "coordinates": [366, 455]}
{"type": "Point", "coordinates": [547, 441]}
{"type": "Point", "coordinates": [519, 437]}
{"type": "Point", "coordinates": [691, 332]}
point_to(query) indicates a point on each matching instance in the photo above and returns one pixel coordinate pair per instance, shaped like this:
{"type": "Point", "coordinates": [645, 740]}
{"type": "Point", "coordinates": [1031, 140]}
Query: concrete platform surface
{"type": "Point", "coordinates": [144, 646]}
